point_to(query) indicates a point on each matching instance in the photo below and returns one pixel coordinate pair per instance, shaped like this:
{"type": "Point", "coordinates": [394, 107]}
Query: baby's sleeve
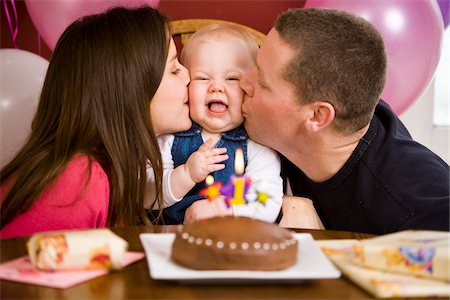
{"type": "Point", "coordinates": [165, 143]}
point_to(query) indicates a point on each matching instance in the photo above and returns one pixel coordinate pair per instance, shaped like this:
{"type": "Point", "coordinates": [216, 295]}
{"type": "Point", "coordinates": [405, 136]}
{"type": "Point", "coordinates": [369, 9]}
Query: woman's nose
{"type": "Point", "coordinates": [246, 81]}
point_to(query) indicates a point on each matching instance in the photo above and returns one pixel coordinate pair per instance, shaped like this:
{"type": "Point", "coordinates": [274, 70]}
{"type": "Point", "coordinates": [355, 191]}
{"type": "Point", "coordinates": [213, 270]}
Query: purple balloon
{"type": "Point", "coordinates": [444, 6]}
{"type": "Point", "coordinates": [412, 32]}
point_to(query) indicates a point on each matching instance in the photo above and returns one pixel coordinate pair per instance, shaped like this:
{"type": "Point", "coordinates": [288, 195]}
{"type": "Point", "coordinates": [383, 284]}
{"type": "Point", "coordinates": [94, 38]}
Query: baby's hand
{"type": "Point", "coordinates": [204, 209]}
{"type": "Point", "coordinates": [204, 161]}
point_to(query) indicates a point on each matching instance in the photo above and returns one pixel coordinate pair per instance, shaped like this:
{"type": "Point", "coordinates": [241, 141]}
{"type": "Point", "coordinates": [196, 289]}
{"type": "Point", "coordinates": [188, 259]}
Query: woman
{"type": "Point", "coordinates": [113, 85]}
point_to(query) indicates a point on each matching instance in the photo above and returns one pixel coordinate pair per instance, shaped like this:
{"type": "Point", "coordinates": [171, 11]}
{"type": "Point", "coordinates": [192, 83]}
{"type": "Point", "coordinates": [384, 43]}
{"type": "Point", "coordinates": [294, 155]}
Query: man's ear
{"type": "Point", "coordinates": [321, 115]}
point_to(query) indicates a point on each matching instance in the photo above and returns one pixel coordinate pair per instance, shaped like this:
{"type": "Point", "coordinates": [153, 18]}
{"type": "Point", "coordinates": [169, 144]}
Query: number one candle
{"type": "Point", "coordinates": [239, 181]}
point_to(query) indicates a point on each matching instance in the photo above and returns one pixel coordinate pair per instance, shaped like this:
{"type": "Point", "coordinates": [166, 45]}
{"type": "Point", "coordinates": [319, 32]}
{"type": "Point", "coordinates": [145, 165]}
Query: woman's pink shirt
{"type": "Point", "coordinates": [67, 203]}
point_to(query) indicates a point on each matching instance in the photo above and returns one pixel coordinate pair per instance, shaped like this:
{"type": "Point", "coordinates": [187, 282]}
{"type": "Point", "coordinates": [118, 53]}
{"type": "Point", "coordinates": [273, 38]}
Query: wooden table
{"type": "Point", "coordinates": [134, 281]}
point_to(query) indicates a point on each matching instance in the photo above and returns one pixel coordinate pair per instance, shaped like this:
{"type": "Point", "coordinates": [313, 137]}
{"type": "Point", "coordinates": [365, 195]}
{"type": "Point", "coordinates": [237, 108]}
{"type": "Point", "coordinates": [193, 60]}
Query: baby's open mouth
{"type": "Point", "coordinates": [217, 106]}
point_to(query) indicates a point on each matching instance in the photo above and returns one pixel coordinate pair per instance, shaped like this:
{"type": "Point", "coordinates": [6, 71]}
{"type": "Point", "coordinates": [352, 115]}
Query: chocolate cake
{"type": "Point", "coordinates": [234, 243]}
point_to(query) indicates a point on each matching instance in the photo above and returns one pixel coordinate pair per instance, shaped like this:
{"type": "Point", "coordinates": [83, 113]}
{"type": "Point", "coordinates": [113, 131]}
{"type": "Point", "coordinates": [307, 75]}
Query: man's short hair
{"type": "Point", "coordinates": [340, 58]}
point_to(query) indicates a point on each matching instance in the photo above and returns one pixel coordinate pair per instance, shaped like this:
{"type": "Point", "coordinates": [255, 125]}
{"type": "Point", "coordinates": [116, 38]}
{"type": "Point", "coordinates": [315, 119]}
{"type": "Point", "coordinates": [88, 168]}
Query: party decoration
{"type": "Point", "coordinates": [52, 17]}
{"type": "Point", "coordinates": [212, 191]}
{"type": "Point", "coordinates": [12, 19]}
{"type": "Point", "coordinates": [444, 6]}
{"type": "Point", "coordinates": [22, 76]}
{"type": "Point", "coordinates": [262, 197]}
{"type": "Point", "coordinates": [235, 191]}
{"type": "Point", "coordinates": [412, 33]}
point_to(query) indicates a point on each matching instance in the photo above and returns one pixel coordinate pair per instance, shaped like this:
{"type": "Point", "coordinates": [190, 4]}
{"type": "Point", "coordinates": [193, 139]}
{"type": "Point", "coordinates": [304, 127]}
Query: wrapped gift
{"type": "Point", "coordinates": [413, 252]}
{"type": "Point", "coordinates": [77, 250]}
{"type": "Point", "coordinates": [381, 284]}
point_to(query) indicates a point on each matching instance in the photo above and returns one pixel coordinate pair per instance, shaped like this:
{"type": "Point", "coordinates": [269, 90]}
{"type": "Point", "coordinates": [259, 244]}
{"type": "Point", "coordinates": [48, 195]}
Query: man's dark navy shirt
{"type": "Point", "coordinates": [389, 183]}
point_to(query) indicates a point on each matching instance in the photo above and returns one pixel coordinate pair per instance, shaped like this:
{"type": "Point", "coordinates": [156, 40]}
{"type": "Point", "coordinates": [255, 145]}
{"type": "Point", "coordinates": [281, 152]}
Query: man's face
{"type": "Point", "coordinates": [270, 107]}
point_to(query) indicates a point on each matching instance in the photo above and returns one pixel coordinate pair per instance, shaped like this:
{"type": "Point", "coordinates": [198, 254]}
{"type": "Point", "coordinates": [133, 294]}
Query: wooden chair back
{"type": "Point", "coordinates": [186, 27]}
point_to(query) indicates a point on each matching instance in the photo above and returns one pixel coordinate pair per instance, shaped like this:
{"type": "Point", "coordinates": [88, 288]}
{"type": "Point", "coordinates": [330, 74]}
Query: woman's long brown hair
{"type": "Point", "coordinates": [95, 100]}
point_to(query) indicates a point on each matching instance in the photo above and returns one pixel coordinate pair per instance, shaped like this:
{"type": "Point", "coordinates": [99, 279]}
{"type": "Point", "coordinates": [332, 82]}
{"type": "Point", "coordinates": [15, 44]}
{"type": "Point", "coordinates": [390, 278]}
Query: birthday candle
{"type": "Point", "coordinates": [239, 182]}
{"type": "Point", "coordinates": [212, 190]}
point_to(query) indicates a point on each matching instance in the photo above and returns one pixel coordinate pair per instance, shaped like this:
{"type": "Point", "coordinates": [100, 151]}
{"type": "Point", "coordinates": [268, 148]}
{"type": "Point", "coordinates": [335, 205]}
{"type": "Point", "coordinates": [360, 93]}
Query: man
{"type": "Point", "coordinates": [314, 97]}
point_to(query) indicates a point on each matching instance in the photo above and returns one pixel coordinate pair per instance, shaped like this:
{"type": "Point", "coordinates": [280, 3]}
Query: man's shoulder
{"type": "Point", "coordinates": [403, 170]}
{"type": "Point", "coordinates": [393, 152]}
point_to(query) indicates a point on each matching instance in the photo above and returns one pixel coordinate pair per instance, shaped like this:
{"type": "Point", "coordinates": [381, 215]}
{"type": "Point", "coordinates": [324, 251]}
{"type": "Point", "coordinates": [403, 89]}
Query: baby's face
{"type": "Point", "coordinates": [216, 67]}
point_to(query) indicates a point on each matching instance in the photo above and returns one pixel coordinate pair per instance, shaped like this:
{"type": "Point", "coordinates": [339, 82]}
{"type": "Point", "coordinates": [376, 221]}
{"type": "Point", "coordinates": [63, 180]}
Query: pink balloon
{"type": "Point", "coordinates": [412, 31]}
{"type": "Point", "coordinates": [51, 17]}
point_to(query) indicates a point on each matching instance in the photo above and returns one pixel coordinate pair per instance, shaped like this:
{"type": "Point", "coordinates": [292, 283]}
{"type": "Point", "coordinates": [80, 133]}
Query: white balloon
{"type": "Point", "coordinates": [22, 75]}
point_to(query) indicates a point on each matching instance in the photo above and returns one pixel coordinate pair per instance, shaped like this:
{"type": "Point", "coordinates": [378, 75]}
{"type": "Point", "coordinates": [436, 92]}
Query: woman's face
{"type": "Point", "coordinates": [169, 108]}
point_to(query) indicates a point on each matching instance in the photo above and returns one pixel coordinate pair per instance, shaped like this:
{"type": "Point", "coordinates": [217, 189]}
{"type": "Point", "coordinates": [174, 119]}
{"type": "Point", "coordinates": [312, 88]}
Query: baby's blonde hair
{"type": "Point", "coordinates": [215, 31]}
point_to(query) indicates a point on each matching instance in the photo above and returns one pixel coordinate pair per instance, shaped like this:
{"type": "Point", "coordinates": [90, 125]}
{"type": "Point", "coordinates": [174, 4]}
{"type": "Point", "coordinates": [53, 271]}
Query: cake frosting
{"type": "Point", "coordinates": [234, 243]}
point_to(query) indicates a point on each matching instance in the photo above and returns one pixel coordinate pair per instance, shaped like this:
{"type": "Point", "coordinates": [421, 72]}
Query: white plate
{"type": "Point", "coordinates": [311, 263]}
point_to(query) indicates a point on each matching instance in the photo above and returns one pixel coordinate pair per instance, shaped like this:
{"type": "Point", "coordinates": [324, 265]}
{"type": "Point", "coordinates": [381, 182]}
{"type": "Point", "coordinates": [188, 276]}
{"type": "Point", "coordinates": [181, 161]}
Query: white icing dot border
{"type": "Point", "coordinates": [242, 246]}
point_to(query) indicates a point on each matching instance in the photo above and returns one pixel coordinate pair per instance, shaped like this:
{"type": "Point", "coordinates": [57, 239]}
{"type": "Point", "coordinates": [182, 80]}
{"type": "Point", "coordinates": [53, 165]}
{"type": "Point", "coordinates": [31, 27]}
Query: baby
{"type": "Point", "coordinates": [216, 56]}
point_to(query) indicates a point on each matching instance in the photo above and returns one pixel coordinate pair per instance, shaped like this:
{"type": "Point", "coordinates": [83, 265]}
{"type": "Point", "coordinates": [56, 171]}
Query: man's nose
{"type": "Point", "coordinates": [246, 82]}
